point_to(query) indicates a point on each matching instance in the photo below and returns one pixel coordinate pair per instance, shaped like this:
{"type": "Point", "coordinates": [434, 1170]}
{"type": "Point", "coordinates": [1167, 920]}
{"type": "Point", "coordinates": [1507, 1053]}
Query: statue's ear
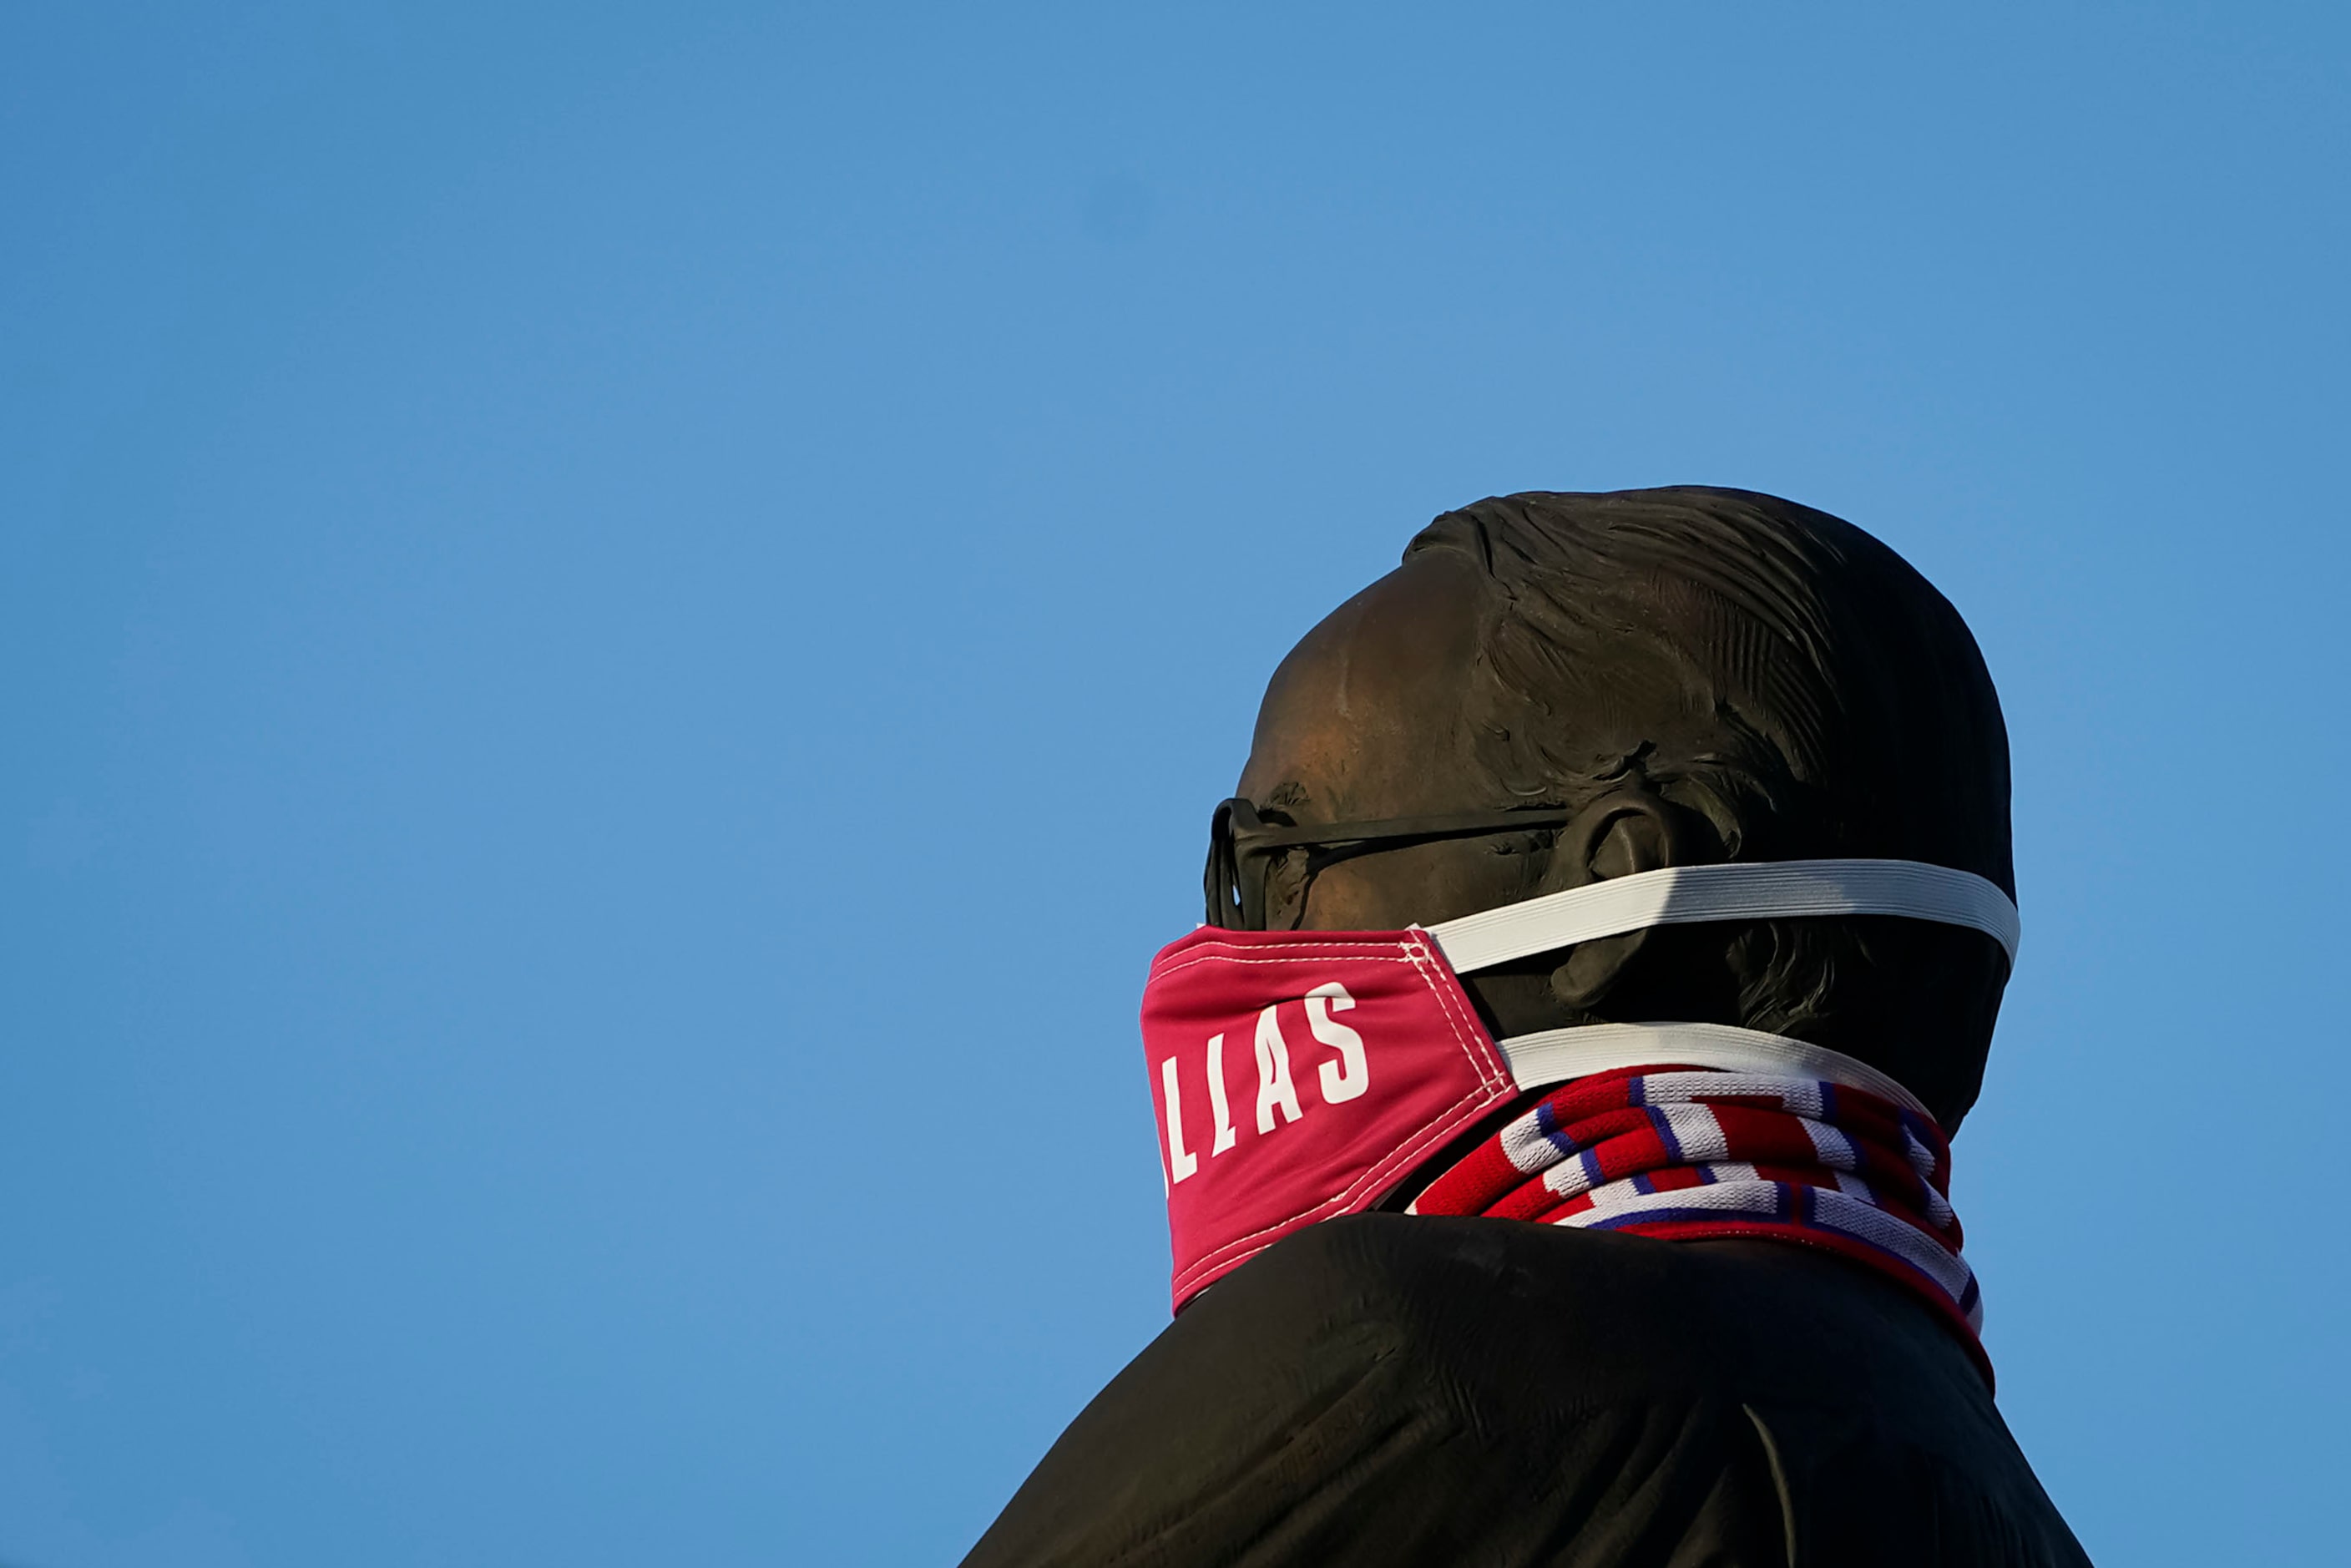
{"type": "Point", "coordinates": [1624, 832]}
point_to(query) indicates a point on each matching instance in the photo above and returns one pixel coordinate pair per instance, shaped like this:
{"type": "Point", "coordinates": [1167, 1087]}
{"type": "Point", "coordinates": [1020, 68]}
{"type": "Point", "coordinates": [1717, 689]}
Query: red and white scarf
{"type": "Point", "coordinates": [1683, 1154]}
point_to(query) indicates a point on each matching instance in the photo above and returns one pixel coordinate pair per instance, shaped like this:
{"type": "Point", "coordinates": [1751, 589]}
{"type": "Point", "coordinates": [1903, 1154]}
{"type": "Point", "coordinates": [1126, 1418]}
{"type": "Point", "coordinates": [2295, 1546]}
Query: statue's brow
{"type": "Point", "coordinates": [1289, 795]}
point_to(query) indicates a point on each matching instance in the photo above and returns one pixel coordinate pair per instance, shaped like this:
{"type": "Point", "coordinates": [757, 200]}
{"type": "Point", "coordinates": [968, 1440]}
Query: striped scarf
{"type": "Point", "coordinates": [1684, 1154]}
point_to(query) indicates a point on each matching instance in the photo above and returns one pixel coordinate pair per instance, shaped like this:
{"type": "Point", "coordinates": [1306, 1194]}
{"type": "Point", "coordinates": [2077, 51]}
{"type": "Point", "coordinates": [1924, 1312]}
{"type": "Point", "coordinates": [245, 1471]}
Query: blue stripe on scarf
{"type": "Point", "coordinates": [1666, 1135]}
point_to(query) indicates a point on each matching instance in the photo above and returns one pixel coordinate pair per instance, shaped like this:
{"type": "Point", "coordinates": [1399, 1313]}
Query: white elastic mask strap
{"type": "Point", "coordinates": [1756, 890]}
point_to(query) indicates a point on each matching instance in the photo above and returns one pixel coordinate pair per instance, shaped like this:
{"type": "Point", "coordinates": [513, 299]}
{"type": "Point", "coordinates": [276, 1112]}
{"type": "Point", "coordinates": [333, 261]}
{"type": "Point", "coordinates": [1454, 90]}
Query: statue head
{"type": "Point", "coordinates": [1682, 676]}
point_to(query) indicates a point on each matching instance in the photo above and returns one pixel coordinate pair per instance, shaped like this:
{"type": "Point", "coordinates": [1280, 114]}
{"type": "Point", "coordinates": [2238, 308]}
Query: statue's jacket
{"type": "Point", "coordinates": [1388, 1389]}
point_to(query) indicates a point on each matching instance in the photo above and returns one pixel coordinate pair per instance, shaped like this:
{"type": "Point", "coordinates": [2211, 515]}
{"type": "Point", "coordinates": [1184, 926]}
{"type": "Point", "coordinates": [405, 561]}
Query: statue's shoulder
{"type": "Point", "coordinates": [1583, 1316]}
{"type": "Point", "coordinates": [1454, 1297]}
{"type": "Point", "coordinates": [1386, 1389]}
{"type": "Point", "coordinates": [1443, 1283]}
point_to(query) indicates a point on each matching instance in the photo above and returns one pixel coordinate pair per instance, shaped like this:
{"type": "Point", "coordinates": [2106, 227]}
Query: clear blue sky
{"type": "Point", "coordinates": [619, 625]}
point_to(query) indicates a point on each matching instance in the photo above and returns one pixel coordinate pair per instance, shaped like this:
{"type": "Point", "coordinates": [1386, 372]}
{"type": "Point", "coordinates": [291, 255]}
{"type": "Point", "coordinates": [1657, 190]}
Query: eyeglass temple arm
{"type": "Point", "coordinates": [1445, 826]}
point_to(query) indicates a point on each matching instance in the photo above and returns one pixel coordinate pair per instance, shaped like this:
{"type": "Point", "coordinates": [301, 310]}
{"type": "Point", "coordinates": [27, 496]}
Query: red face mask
{"type": "Point", "coordinates": [1298, 1075]}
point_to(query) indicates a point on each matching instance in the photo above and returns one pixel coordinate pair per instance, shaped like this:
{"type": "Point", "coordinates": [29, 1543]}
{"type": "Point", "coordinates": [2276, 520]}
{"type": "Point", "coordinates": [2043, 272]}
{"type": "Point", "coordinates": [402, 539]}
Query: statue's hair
{"type": "Point", "coordinates": [1795, 682]}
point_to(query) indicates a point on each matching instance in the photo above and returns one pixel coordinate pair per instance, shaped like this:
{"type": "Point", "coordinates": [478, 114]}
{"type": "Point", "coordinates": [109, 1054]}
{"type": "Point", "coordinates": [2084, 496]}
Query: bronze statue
{"type": "Point", "coordinates": [1676, 678]}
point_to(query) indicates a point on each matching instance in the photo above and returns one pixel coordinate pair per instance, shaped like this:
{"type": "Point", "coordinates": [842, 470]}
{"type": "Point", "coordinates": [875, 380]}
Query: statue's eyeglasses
{"type": "Point", "coordinates": [1244, 849]}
